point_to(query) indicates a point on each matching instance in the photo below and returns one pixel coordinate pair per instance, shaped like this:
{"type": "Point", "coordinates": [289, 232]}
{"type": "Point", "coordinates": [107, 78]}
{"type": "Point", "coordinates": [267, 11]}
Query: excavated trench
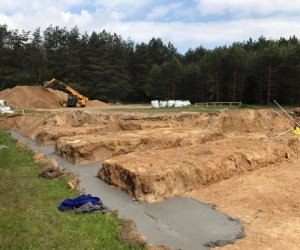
{"type": "Point", "coordinates": [136, 133]}
{"type": "Point", "coordinates": [158, 174]}
{"type": "Point", "coordinates": [150, 165]}
{"type": "Point", "coordinates": [47, 128]}
{"type": "Point", "coordinates": [155, 156]}
{"type": "Point", "coordinates": [159, 222]}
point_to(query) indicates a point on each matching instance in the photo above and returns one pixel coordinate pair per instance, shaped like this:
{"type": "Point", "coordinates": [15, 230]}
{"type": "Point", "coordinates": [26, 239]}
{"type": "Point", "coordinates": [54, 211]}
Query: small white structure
{"type": "Point", "coordinates": [5, 108]}
{"type": "Point", "coordinates": [170, 104]}
{"type": "Point", "coordinates": [186, 103]}
{"type": "Point", "coordinates": [163, 104]}
{"type": "Point", "coordinates": [178, 104]}
{"type": "Point", "coordinates": [155, 104]}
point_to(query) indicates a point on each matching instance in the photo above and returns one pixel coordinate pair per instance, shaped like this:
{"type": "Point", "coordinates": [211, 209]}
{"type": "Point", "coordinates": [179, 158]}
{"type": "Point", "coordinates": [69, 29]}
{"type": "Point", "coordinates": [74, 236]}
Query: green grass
{"type": "Point", "coordinates": [29, 218]}
{"type": "Point", "coordinates": [34, 111]}
{"type": "Point", "coordinates": [192, 108]}
{"type": "Point", "coordinates": [209, 108]}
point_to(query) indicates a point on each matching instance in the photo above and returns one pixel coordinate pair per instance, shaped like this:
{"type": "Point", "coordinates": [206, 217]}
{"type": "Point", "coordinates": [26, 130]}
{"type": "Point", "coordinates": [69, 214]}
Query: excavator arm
{"type": "Point", "coordinates": [74, 92]}
{"type": "Point", "coordinates": [81, 100]}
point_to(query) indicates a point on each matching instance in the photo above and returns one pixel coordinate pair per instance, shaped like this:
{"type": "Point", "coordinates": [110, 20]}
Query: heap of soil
{"type": "Point", "coordinates": [169, 131]}
{"type": "Point", "coordinates": [96, 104]}
{"type": "Point", "coordinates": [33, 97]}
{"type": "Point", "coordinates": [154, 175]}
{"type": "Point", "coordinates": [102, 146]}
{"type": "Point", "coordinates": [39, 97]}
{"type": "Point", "coordinates": [46, 128]}
{"type": "Point", "coordinates": [157, 130]}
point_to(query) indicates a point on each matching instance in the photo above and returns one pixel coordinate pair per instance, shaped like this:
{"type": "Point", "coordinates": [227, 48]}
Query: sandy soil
{"type": "Point", "coordinates": [266, 200]}
{"type": "Point", "coordinates": [33, 97]}
{"type": "Point", "coordinates": [102, 146]}
{"type": "Point", "coordinates": [28, 97]}
{"type": "Point", "coordinates": [153, 175]}
{"type": "Point", "coordinates": [46, 128]}
{"type": "Point", "coordinates": [239, 166]}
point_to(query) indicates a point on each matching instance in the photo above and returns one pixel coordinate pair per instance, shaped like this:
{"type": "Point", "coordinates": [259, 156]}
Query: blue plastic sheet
{"type": "Point", "coordinates": [69, 204]}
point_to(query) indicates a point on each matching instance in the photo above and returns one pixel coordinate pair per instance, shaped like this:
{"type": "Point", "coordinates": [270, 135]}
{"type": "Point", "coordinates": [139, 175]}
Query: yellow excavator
{"type": "Point", "coordinates": [75, 99]}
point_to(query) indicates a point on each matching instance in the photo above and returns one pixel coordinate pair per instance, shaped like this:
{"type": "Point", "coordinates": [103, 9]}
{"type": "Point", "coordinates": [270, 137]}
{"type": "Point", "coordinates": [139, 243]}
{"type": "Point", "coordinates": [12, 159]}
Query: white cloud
{"type": "Point", "coordinates": [242, 7]}
{"type": "Point", "coordinates": [158, 12]}
{"type": "Point", "coordinates": [179, 33]}
{"type": "Point", "coordinates": [162, 10]}
{"type": "Point", "coordinates": [35, 5]}
{"type": "Point", "coordinates": [45, 18]}
{"type": "Point", "coordinates": [110, 15]}
{"type": "Point", "coordinates": [191, 35]}
{"type": "Point", "coordinates": [113, 4]}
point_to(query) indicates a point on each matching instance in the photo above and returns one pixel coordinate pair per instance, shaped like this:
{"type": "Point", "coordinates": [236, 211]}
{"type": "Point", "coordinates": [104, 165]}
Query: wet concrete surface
{"type": "Point", "coordinates": [179, 222]}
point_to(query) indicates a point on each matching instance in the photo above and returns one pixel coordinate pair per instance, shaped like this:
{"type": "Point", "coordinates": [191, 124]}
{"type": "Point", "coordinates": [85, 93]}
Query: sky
{"type": "Point", "coordinates": [185, 23]}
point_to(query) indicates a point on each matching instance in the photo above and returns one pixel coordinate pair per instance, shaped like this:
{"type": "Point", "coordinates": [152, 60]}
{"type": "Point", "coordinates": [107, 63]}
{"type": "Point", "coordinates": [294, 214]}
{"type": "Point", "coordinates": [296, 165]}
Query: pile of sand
{"type": "Point", "coordinates": [33, 97]}
{"type": "Point", "coordinates": [38, 97]}
{"type": "Point", "coordinates": [96, 104]}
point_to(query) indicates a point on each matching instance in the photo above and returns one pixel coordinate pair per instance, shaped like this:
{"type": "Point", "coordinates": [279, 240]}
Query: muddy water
{"type": "Point", "coordinates": [179, 222]}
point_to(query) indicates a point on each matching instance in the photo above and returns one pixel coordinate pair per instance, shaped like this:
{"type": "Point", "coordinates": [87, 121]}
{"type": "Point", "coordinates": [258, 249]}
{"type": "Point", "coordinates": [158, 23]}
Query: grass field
{"type": "Point", "coordinates": [29, 218]}
{"type": "Point", "coordinates": [199, 108]}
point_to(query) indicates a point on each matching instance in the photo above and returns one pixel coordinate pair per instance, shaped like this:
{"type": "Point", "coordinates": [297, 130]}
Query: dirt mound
{"type": "Point", "coordinates": [76, 118]}
{"type": "Point", "coordinates": [97, 104]}
{"type": "Point", "coordinates": [158, 174]}
{"type": "Point", "coordinates": [33, 97]}
{"type": "Point", "coordinates": [167, 131]}
{"type": "Point", "coordinates": [262, 120]}
{"type": "Point", "coordinates": [46, 128]}
{"type": "Point", "coordinates": [73, 123]}
{"type": "Point", "coordinates": [39, 97]}
{"type": "Point", "coordinates": [50, 136]}
{"type": "Point", "coordinates": [99, 147]}
{"type": "Point", "coordinates": [60, 94]}
{"type": "Point", "coordinates": [28, 125]}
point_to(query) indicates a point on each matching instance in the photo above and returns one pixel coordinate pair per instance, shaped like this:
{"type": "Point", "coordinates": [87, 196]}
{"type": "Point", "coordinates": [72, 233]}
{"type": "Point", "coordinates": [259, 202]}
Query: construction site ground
{"type": "Point", "coordinates": [229, 158]}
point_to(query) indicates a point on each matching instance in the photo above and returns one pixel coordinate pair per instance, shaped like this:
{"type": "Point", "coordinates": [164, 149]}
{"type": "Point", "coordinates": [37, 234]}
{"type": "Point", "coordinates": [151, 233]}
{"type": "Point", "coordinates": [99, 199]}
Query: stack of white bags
{"type": "Point", "coordinates": [170, 104]}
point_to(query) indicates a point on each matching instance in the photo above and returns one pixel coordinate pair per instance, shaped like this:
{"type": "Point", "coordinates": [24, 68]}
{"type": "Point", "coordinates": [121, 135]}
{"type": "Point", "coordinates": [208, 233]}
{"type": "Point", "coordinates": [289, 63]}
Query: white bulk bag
{"type": "Point", "coordinates": [155, 104]}
{"type": "Point", "coordinates": [162, 104]}
{"type": "Point", "coordinates": [171, 103]}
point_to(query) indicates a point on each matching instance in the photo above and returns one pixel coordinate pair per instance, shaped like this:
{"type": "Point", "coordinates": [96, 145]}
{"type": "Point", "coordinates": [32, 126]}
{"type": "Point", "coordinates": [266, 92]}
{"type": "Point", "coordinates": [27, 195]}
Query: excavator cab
{"type": "Point", "coordinates": [72, 101]}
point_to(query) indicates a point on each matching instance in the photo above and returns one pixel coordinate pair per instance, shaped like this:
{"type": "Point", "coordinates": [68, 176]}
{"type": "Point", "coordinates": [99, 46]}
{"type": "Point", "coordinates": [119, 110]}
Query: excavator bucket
{"type": "Point", "coordinates": [49, 83]}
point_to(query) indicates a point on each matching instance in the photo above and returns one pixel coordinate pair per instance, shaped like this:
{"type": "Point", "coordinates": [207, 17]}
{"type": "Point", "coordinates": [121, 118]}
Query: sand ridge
{"type": "Point", "coordinates": [27, 97]}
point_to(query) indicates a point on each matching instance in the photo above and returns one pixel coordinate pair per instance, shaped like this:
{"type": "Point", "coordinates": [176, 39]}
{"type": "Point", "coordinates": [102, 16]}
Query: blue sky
{"type": "Point", "coordinates": [187, 24]}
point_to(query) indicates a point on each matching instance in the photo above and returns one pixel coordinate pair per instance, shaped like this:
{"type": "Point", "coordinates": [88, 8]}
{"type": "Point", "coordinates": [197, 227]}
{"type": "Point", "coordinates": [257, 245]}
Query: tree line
{"type": "Point", "coordinates": [107, 67]}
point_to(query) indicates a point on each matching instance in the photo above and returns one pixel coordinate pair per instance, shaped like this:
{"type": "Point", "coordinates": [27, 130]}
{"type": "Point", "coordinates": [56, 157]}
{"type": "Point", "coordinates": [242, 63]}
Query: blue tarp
{"type": "Point", "coordinates": [69, 204]}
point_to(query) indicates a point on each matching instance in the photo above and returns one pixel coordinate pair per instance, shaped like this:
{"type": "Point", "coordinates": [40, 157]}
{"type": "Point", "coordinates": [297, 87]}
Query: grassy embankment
{"type": "Point", "coordinates": [29, 218]}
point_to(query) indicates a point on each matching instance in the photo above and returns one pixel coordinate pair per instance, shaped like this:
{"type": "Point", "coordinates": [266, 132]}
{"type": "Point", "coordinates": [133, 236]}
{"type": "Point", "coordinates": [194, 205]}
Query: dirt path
{"type": "Point", "coordinates": [266, 200]}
